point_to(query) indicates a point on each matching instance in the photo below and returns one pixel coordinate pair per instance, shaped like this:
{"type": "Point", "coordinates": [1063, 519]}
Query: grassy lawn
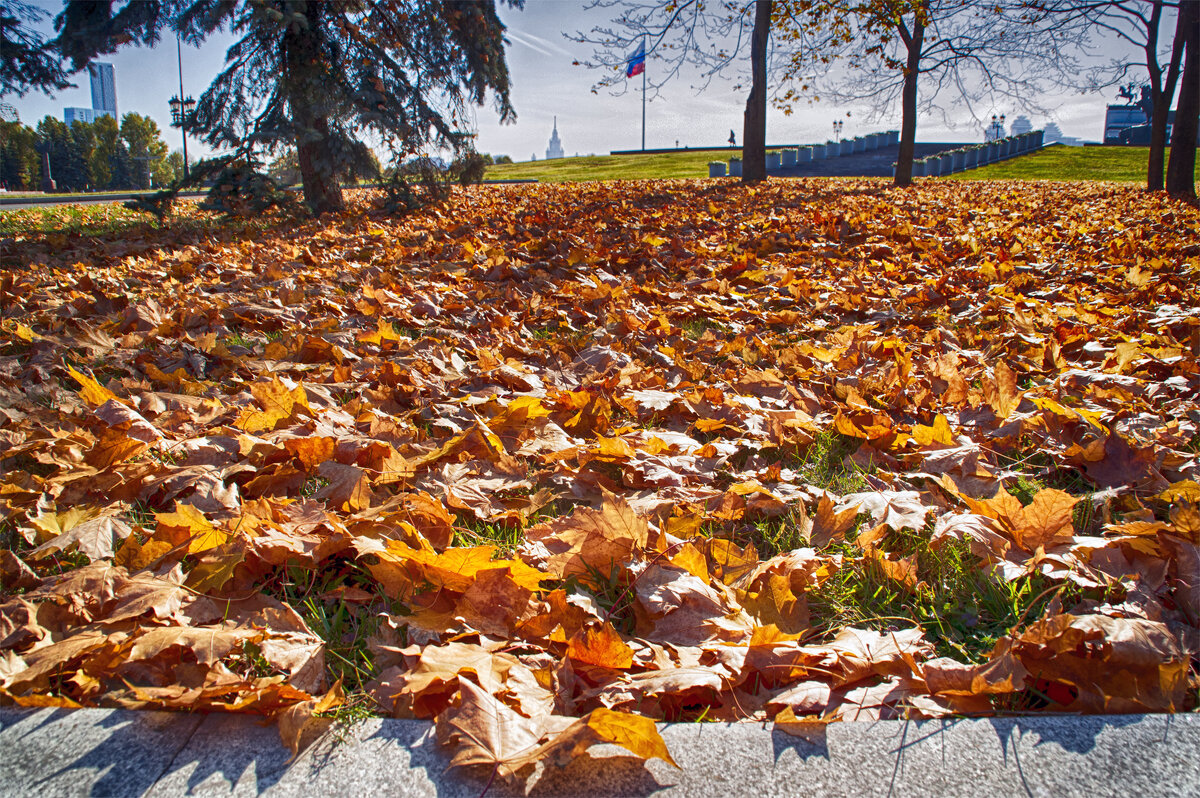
{"type": "Point", "coordinates": [610, 167]}
{"type": "Point", "coordinates": [1059, 162]}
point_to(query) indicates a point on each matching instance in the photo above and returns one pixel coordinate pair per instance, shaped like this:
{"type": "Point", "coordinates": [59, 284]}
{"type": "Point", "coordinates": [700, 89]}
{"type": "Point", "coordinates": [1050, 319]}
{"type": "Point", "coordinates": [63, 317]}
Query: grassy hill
{"type": "Point", "coordinates": [609, 167]}
{"type": "Point", "coordinates": [1052, 163]}
{"type": "Point", "coordinates": [1058, 162]}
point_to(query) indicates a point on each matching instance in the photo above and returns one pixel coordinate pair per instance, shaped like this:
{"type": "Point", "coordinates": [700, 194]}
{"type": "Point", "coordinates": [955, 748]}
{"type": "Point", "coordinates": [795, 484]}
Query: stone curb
{"type": "Point", "coordinates": [102, 752]}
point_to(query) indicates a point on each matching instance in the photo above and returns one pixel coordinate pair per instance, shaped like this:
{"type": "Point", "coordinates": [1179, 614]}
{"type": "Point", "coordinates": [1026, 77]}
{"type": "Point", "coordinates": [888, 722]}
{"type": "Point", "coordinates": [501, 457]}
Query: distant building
{"type": "Point", "coordinates": [555, 149]}
{"type": "Point", "coordinates": [1130, 124]}
{"type": "Point", "coordinates": [1139, 135]}
{"type": "Point", "coordinates": [72, 115]}
{"type": "Point", "coordinates": [104, 89]}
{"type": "Point", "coordinates": [1120, 117]}
{"type": "Point", "coordinates": [1021, 125]}
{"type": "Point", "coordinates": [1053, 135]}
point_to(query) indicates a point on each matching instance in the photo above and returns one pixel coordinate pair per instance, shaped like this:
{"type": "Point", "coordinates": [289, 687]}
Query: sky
{"type": "Point", "coordinates": [546, 84]}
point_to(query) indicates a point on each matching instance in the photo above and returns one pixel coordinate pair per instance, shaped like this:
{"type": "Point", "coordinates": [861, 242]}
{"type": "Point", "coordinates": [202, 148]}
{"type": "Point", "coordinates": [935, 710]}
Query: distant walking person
{"type": "Point", "coordinates": [732, 139]}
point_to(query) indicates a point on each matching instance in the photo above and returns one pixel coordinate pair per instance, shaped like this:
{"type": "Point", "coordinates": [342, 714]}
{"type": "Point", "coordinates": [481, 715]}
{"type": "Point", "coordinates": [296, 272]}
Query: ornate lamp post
{"type": "Point", "coordinates": [181, 106]}
{"type": "Point", "coordinates": [996, 130]}
{"type": "Point", "coordinates": [179, 111]}
{"type": "Point", "coordinates": [837, 130]}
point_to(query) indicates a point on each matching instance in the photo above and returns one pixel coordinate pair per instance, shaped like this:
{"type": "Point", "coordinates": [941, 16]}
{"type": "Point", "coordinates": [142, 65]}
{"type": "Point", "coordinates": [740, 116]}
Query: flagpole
{"type": "Point", "coordinates": [643, 95]}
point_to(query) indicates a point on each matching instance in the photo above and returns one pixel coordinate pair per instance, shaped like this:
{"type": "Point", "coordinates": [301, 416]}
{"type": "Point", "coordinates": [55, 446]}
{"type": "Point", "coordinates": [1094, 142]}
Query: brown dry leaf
{"type": "Point", "coordinates": [681, 609]}
{"type": "Point", "coordinates": [999, 675]}
{"type": "Point", "coordinates": [587, 538]}
{"type": "Point", "coordinates": [485, 731]}
{"type": "Point", "coordinates": [278, 401]}
{"type": "Point", "coordinates": [299, 721]}
{"type": "Point", "coordinates": [602, 647]}
{"type": "Point", "coordinates": [1115, 664]}
{"type": "Point", "coordinates": [1001, 392]}
{"type": "Point", "coordinates": [349, 487]}
{"type": "Point", "coordinates": [897, 509]}
{"type": "Point", "coordinates": [1046, 520]}
{"type": "Point", "coordinates": [93, 538]}
{"type": "Point", "coordinates": [830, 523]}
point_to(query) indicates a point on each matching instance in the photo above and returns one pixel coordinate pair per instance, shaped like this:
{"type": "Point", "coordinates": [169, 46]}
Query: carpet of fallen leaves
{"type": "Point", "coordinates": [543, 434]}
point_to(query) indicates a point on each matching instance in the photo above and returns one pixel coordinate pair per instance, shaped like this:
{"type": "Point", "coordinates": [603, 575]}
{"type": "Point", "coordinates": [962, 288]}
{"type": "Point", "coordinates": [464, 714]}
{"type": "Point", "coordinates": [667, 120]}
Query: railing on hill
{"type": "Point", "coordinates": [964, 158]}
{"type": "Point", "coordinates": [787, 158]}
{"type": "Point", "coordinates": [943, 163]}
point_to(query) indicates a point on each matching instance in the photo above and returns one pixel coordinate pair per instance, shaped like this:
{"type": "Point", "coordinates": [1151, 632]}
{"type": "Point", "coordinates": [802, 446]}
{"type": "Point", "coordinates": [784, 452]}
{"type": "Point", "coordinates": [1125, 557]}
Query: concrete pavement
{"type": "Point", "coordinates": [50, 752]}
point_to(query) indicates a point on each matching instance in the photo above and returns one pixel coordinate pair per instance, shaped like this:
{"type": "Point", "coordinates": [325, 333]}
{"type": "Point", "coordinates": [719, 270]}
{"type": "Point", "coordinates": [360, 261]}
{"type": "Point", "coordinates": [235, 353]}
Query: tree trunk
{"type": "Point", "coordinates": [302, 58]}
{"type": "Point", "coordinates": [1181, 168]}
{"type": "Point", "coordinates": [754, 130]}
{"type": "Point", "coordinates": [1162, 94]}
{"type": "Point", "coordinates": [322, 190]}
{"type": "Point", "coordinates": [908, 104]}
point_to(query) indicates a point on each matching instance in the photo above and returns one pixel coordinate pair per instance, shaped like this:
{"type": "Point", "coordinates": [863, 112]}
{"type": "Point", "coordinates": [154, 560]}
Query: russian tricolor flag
{"type": "Point", "coordinates": [637, 61]}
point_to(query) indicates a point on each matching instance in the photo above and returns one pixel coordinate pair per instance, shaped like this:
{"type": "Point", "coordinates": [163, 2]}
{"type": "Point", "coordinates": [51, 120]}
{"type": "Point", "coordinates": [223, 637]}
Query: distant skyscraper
{"type": "Point", "coordinates": [71, 115]}
{"type": "Point", "coordinates": [104, 89]}
{"type": "Point", "coordinates": [555, 149]}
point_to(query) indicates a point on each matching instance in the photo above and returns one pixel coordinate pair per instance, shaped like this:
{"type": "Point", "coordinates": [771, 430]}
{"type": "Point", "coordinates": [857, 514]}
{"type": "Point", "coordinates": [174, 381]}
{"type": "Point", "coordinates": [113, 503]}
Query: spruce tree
{"type": "Point", "coordinates": [26, 60]}
{"type": "Point", "coordinates": [320, 74]}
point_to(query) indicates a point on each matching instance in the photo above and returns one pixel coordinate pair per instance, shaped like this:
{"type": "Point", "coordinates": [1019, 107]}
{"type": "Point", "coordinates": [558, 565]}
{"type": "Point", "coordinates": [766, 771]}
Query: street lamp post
{"type": "Point", "coordinates": [837, 130]}
{"type": "Point", "coordinates": [996, 131]}
{"type": "Point", "coordinates": [181, 106]}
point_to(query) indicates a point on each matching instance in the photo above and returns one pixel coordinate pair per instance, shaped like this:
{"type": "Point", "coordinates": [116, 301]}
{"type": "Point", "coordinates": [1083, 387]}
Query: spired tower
{"type": "Point", "coordinates": [555, 149]}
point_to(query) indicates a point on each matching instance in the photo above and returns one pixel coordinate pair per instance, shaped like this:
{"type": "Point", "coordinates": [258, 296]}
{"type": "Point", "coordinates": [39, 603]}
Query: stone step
{"type": "Point", "coordinates": [106, 752]}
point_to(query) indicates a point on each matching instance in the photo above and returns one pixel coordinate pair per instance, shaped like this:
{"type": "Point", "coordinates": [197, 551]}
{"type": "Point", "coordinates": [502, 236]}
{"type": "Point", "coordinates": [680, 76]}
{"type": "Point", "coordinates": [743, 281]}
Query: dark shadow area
{"type": "Point", "coordinates": [807, 743]}
{"type": "Point", "coordinates": [1074, 733]}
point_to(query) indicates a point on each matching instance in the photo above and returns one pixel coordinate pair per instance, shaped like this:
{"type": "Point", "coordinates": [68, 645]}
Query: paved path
{"type": "Point", "coordinates": [21, 203]}
{"type": "Point", "coordinates": [118, 753]}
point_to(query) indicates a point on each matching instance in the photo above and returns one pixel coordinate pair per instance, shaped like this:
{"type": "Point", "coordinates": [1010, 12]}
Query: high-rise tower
{"type": "Point", "coordinates": [104, 89]}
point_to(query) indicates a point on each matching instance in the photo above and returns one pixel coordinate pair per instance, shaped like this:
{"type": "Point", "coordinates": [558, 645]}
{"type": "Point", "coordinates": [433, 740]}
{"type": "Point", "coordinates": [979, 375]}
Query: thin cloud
{"type": "Point", "coordinates": [538, 44]}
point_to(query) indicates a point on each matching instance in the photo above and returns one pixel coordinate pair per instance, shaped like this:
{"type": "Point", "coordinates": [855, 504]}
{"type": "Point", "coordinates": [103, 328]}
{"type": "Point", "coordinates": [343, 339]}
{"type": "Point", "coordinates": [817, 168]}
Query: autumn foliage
{"type": "Point", "coordinates": [548, 439]}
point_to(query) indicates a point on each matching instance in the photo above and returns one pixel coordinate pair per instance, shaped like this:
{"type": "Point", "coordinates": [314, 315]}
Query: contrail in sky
{"type": "Point", "coordinates": [537, 43]}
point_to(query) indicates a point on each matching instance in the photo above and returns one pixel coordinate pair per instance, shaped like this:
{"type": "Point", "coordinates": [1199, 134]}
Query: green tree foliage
{"type": "Point", "coordinates": [97, 156]}
{"type": "Point", "coordinates": [20, 163]}
{"type": "Point", "coordinates": [318, 75]}
{"type": "Point", "coordinates": [172, 168]}
{"type": "Point", "coordinates": [143, 141]}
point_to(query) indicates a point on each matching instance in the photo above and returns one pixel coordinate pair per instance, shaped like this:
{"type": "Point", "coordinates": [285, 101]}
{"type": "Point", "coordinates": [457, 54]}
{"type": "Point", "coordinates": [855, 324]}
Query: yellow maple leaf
{"type": "Point", "coordinates": [186, 523]}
